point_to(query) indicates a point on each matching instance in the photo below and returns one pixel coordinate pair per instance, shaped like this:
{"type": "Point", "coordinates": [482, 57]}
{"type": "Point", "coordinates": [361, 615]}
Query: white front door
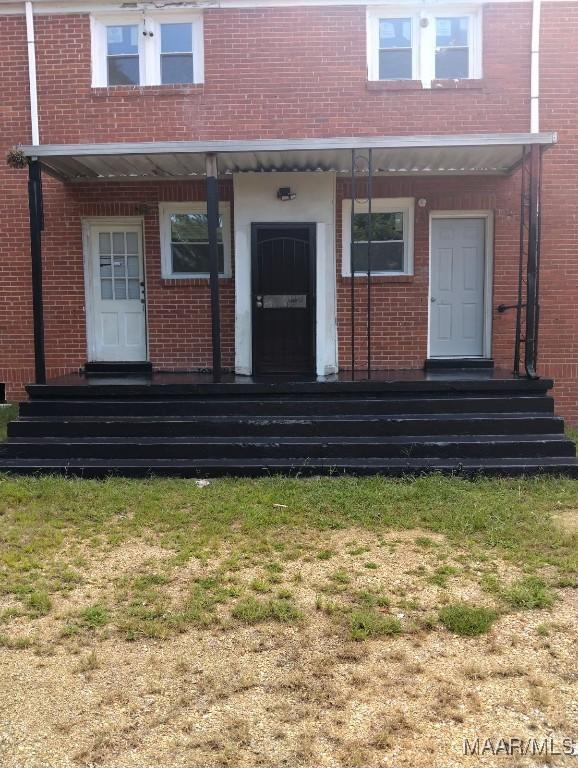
{"type": "Point", "coordinates": [458, 268]}
{"type": "Point", "coordinates": [116, 307]}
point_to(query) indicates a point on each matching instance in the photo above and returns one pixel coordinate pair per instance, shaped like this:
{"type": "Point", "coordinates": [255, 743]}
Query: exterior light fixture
{"type": "Point", "coordinates": [285, 193]}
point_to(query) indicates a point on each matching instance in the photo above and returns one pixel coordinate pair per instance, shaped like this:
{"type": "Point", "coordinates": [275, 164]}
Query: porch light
{"type": "Point", "coordinates": [285, 193]}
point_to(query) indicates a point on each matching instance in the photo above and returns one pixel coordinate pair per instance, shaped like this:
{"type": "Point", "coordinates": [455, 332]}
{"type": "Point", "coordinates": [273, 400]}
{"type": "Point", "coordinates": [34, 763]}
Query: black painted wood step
{"type": "Point", "coordinates": [353, 426]}
{"type": "Point", "coordinates": [463, 382]}
{"type": "Point", "coordinates": [256, 467]}
{"type": "Point", "coordinates": [300, 405]}
{"type": "Point", "coordinates": [426, 446]}
{"type": "Point", "coordinates": [118, 369]}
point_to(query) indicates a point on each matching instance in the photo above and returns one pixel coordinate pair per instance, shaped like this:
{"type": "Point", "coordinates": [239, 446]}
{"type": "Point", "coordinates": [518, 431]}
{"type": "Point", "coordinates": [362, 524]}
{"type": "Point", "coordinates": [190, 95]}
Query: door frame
{"type": "Point", "coordinates": [312, 229]}
{"type": "Point", "coordinates": [89, 304]}
{"type": "Point", "coordinates": [488, 218]}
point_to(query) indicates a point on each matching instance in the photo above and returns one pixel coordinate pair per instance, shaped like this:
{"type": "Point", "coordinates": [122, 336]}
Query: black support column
{"type": "Point", "coordinates": [213, 226]}
{"type": "Point", "coordinates": [533, 274]}
{"type": "Point", "coordinates": [36, 227]}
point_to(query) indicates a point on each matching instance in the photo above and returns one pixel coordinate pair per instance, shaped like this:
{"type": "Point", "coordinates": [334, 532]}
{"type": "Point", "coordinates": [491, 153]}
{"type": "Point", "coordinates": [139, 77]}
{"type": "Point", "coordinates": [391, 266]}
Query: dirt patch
{"type": "Point", "coordinates": [567, 520]}
{"type": "Point", "coordinates": [300, 694]}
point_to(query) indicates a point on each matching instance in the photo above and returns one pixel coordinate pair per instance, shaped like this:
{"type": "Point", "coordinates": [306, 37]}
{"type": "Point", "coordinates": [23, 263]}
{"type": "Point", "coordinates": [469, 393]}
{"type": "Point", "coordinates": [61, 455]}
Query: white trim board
{"type": "Point", "coordinates": [488, 216]}
{"type": "Point", "coordinates": [86, 6]}
{"type": "Point", "coordinates": [256, 202]}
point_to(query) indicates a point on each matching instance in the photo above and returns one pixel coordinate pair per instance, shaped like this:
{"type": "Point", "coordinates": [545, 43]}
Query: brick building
{"type": "Point", "coordinates": [423, 113]}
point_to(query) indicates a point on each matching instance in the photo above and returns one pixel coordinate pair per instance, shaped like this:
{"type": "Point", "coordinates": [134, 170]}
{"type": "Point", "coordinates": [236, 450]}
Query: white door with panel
{"type": "Point", "coordinates": [116, 308]}
{"type": "Point", "coordinates": [457, 287]}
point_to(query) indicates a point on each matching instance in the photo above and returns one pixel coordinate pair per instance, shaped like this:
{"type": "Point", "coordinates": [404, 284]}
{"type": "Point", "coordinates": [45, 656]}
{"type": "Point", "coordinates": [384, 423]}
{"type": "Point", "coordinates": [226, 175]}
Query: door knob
{"type": "Point", "coordinates": [433, 298]}
{"type": "Point", "coordinates": [259, 301]}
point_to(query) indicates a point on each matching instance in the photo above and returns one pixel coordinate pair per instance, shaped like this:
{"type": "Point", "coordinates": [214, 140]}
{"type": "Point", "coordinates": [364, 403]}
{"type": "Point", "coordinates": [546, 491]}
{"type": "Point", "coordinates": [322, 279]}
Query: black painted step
{"type": "Point", "coordinates": [452, 446]}
{"type": "Point", "coordinates": [299, 405]}
{"type": "Point", "coordinates": [456, 363]}
{"type": "Point", "coordinates": [464, 383]}
{"type": "Point", "coordinates": [229, 426]}
{"type": "Point", "coordinates": [258, 467]}
{"type": "Point", "coordinates": [118, 369]}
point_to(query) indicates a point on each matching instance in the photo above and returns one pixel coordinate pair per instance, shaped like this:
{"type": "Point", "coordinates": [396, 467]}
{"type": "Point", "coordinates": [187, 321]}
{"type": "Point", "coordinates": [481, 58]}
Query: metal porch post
{"type": "Point", "coordinates": [36, 227]}
{"type": "Point", "coordinates": [533, 271]}
{"type": "Point", "coordinates": [213, 226]}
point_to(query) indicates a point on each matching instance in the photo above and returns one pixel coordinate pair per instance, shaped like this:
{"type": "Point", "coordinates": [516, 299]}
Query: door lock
{"type": "Point", "coordinates": [259, 302]}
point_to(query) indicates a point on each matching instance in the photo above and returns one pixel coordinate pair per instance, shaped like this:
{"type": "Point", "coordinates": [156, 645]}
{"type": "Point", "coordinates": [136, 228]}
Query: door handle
{"type": "Point", "coordinates": [433, 298]}
{"type": "Point", "coordinates": [259, 302]}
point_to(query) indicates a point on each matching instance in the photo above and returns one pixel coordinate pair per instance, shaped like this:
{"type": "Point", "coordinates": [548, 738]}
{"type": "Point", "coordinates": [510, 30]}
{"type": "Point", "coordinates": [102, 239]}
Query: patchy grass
{"type": "Point", "coordinates": [369, 623]}
{"type": "Point", "coordinates": [529, 592]}
{"type": "Point", "coordinates": [262, 613]}
{"type": "Point", "coordinates": [468, 620]}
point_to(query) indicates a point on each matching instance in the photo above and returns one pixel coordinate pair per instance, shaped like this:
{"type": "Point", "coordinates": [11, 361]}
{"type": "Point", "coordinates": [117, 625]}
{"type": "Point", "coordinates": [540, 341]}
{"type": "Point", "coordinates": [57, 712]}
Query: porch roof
{"type": "Point", "coordinates": [466, 154]}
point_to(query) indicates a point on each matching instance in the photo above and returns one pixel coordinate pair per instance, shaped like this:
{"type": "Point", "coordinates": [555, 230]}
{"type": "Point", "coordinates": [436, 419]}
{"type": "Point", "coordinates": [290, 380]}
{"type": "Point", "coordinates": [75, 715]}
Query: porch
{"type": "Point", "coordinates": [293, 404]}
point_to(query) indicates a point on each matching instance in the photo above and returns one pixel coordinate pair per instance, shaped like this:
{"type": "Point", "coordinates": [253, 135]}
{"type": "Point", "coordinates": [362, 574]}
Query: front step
{"type": "Point", "coordinates": [285, 406]}
{"type": "Point", "coordinates": [100, 468]}
{"type": "Point", "coordinates": [467, 447]}
{"type": "Point", "coordinates": [296, 426]}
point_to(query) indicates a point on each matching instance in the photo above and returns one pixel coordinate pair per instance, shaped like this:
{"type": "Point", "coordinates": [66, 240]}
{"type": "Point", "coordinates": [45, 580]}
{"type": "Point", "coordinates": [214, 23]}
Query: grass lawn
{"type": "Point", "coordinates": [284, 622]}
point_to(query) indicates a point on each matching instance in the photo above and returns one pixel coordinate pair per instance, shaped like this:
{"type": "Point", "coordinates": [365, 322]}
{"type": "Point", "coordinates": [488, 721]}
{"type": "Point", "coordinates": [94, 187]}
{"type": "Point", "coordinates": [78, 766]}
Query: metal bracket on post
{"type": "Point", "coordinates": [213, 227]}
{"type": "Point", "coordinates": [36, 212]}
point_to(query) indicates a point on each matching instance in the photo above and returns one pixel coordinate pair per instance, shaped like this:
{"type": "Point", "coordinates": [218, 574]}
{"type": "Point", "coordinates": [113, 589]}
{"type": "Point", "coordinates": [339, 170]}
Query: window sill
{"type": "Point", "coordinates": [131, 91]}
{"type": "Point", "coordinates": [460, 85]}
{"type": "Point", "coordinates": [381, 278]}
{"type": "Point", "coordinates": [177, 282]}
{"type": "Point", "coordinates": [394, 85]}
{"type": "Point", "coordinates": [416, 85]}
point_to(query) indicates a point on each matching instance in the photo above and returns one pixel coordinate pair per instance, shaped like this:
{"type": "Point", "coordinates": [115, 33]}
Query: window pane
{"type": "Point", "coordinates": [106, 289]}
{"type": "Point", "coordinates": [118, 242]}
{"type": "Point", "coordinates": [395, 64]}
{"type": "Point", "coordinates": [123, 70]}
{"type": "Point", "coordinates": [176, 69]}
{"type": "Point", "coordinates": [191, 227]}
{"type": "Point", "coordinates": [395, 33]}
{"type": "Point", "coordinates": [385, 226]}
{"type": "Point", "coordinates": [119, 266]}
{"type": "Point", "coordinates": [385, 257]}
{"type": "Point", "coordinates": [194, 257]}
{"type": "Point", "coordinates": [132, 266]}
{"type": "Point", "coordinates": [452, 63]}
{"type": "Point", "coordinates": [104, 242]}
{"type": "Point", "coordinates": [119, 289]}
{"type": "Point", "coordinates": [177, 38]}
{"type": "Point", "coordinates": [452, 32]}
{"type": "Point", "coordinates": [133, 289]}
{"type": "Point", "coordinates": [122, 39]}
{"type": "Point", "coordinates": [105, 266]}
{"type": "Point", "coordinates": [131, 242]}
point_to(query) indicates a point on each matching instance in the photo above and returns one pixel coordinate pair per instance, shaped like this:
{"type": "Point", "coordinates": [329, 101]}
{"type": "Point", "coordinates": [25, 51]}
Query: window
{"type": "Point", "coordinates": [122, 54]}
{"type": "Point", "coordinates": [452, 52]}
{"type": "Point", "coordinates": [391, 237]}
{"type": "Point", "coordinates": [160, 48]}
{"type": "Point", "coordinates": [185, 240]}
{"type": "Point", "coordinates": [395, 49]}
{"type": "Point", "coordinates": [424, 45]}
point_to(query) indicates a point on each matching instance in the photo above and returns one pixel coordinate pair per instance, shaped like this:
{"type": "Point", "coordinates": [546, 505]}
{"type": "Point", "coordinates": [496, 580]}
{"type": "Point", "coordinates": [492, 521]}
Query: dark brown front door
{"type": "Point", "coordinates": [283, 258]}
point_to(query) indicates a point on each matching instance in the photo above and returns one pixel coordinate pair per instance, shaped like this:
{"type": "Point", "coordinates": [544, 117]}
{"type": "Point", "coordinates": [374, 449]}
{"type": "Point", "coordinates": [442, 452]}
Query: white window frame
{"type": "Point", "coordinates": [149, 46]}
{"type": "Point", "coordinates": [165, 210]}
{"type": "Point", "coordinates": [424, 38]}
{"type": "Point", "coordinates": [405, 205]}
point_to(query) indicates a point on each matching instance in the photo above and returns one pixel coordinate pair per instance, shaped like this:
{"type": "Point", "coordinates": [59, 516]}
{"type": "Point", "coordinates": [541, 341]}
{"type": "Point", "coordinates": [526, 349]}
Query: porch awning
{"type": "Point", "coordinates": [471, 154]}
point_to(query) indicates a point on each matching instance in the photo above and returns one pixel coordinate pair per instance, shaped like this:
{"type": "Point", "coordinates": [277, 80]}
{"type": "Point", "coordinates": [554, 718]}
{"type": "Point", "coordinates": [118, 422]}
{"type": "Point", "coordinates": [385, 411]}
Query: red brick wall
{"type": "Point", "coordinates": [294, 72]}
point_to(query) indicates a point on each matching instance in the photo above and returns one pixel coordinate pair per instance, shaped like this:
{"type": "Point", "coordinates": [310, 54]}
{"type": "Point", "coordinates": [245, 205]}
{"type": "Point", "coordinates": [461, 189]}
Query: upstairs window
{"type": "Point", "coordinates": [391, 237]}
{"type": "Point", "coordinates": [159, 48]}
{"type": "Point", "coordinates": [122, 54]}
{"type": "Point", "coordinates": [452, 54]}
{"type": "Point", "coordinates": [395, 49]}
{"type": "Point", "coordinates": [177, 53]}
{"type": "Point", "coordinates": [424, 45]}
{"type": "Point", "coordinates": [185, 240]}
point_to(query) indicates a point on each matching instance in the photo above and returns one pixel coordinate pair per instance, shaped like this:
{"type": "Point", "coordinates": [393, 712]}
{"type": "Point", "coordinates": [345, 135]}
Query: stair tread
{"type": "Point", "coordinates": [290, 440]}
